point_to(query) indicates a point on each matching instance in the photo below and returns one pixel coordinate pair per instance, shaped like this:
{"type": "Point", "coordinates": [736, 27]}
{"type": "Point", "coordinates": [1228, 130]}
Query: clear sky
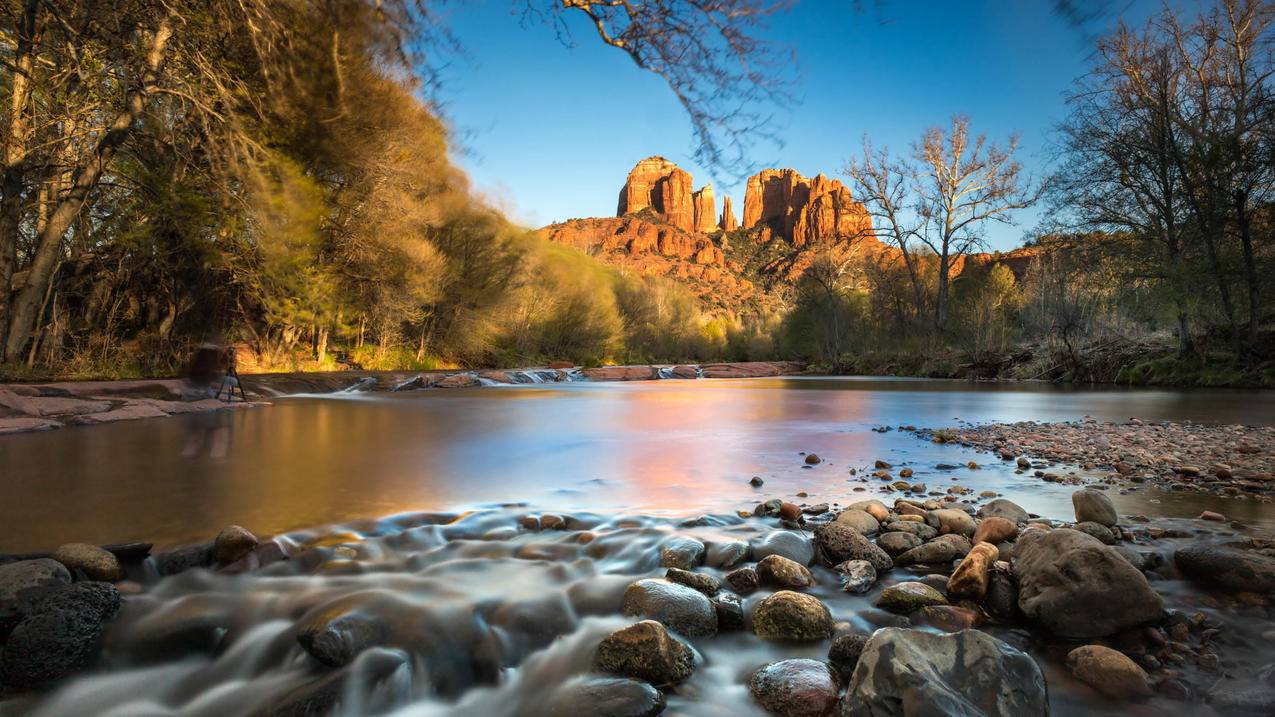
{"type": "Point", "coordinates": [549, 131]}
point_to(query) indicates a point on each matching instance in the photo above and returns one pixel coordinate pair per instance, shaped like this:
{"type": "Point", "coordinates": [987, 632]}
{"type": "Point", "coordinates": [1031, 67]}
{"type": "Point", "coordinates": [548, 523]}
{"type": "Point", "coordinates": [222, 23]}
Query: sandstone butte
{"type": "Point", "coordinates": [665, 227]}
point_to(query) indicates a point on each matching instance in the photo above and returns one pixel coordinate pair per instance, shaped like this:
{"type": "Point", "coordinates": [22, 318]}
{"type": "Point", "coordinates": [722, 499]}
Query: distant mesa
{"type": "Point", "coordinates": [804, 212]}
{"type": "Point", "coordinates": [666, 188]}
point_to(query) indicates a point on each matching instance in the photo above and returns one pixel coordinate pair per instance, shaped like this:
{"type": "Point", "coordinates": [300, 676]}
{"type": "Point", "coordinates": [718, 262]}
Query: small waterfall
{"type": "Point", "coordinates": [367, 383]}
{"type": "Point", "coordinates": [487, 381]}
{"type": "Point", "coordinates": [411, 384]}
{"type": "Point", "coordinates": [666, 372]}
{"type": "Point", "coordinates": [570, 374]}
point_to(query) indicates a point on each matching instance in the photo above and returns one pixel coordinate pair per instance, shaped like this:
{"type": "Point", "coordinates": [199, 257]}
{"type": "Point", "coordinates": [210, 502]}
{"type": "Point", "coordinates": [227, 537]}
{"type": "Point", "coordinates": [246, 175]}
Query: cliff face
{"type": "Point", "coordinates": [804, 212]}
{"type": "Point", "coordinates": [658, 184]}
{"type": "Point", "coordinates": [705, 210]}
{"type": "Point", "coordinates": [728, 223]}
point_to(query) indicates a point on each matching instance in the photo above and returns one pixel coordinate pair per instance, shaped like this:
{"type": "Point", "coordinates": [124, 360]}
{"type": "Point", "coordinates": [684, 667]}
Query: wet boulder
{"type": "Point", "coordinates": [995, 530]}
{"type": "Point", "coordinates": [96, 563]}
{"type": "Point", "coordinates": [777, 571]}
{"type": "Point", "coordinates": [971, 577]}
{"type": "Point", "coordinates": [22, 575]}
{"type": "Point", "coordinates": [795, 688]}
{"type": "Point", "coordinates": [941, 550]}
{"type": "Point", "coordinates": [952, 520]}
{"type": "Point", "coordinates": [743, 580]}
{"type": "Point", "coordinates": [860, 520]}
{"type": "Point", "coordinates": [794, 546]}
{"type": "Point", "coordinates": [898, 542]}
{"type": "Point", "coordinates": [183, 559]}
{"type": "Point", "coordinates": [1108, 671]}
{"type": "Point", "coordinates": [1001, 600]}
{"type": "Point", "coordinates": [678, 607]}
{"type": "Point", "coordinates": [336, 637]}
{"type": "Point", "coordinates": [918, 528]}
{"type": "Point", "coordinates": [1094, 506]}
{"type": "Point", "coordinates": [1003, 508]}
{"type": "Point", "coordinates": [233, 544]}
{"type": "Point", "coordinates": [788, 615]}
{"type": "Point", "coordinates": [60, 632]}
{"type": "Point", "coordinates": [874, 508]}
{"type": "Point", "coordinates": [682, 553]}
{"type": "Point", "coordinates": [357, 681]}
{"type": "Point", "coordinates": [910, 672]}
{"type": "Point", "coordinates": [726, 554]}
{"type": "Point", "coordinates": [703, 582]}
{"type": "Point", "coordinates": [1099, 531]}
{"type": "Point", "coordinates": [1229, 568]}
{"type": "Point", "coordinates": [908, 597]}
{"type": "Point", "coordinates": [844, 653]}
{"type": "Point", "coordinates": [1075, 586]}
{"type": "Point", "coordinates": [838, 543]}
{"type": "Point", "coordinates": [857, 576]}
{"type": "Point", "coordinates": [593, 696]}
{"type": "Point", "coordinates": [646, 651]}
{"type": "Point", "coordinates": [730, 611]}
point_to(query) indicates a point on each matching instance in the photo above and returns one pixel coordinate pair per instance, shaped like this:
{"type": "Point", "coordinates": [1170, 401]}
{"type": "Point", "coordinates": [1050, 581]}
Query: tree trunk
{"type": "Point", "coordinates": [940, 311]}
{"type": "Point", "coordinates": [1250, 264]}
{"type": "Point", "coordinates": [70, 203]}
{"type": "Point", "coordinates": [15, 157]}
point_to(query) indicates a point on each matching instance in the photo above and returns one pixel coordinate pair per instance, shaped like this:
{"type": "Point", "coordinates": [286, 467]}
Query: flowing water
{"type": "Point", "coordinates": [406, 507]}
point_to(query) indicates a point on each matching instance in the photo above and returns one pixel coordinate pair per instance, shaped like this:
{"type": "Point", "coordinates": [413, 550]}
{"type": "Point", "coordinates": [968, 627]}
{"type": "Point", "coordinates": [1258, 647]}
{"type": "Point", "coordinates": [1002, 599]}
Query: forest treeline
{"type": "Point", "coordinates": [1156, 259]}
{"type": "Point", "coordinates": [276, 175]}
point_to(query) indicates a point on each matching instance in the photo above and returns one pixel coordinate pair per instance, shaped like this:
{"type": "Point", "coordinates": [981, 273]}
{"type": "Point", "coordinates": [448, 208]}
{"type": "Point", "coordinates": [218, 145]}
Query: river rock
{"type": "Point", "coordinates": [183, 559]}
{"type": "Point", "coordinates": [1093, 505]}
{"type": "Point", "coordinates": [336, 638]}
{"type": "Point", "coordinates": [909, 672]}
{"type": "Point", "coordinates": [949, 618]}
{"type": "Point", "coordinates": [838, 543]}
{"type": "Point", "coordinates": [1109, 672]}
{"type": "Point", "coordinates": [25, 574]}
{"type": "Point", "coordinates": [943, 549]}
{"type": "Point", "coordinates": [680, 608]}
{"type": "Point", "coordinates": [779, 572]}
{"type": "Point", "coordinates": [321, 696]}
{"type": "Point", "coordinates": [1077, 587]}
{"type": "Point", "coordinates": [793, 546]}
{"type": "Point", "coordinates": [844, 653]}
{"type": "Point", "coordinates": [1244, 696]}
{"type": "Point", "coordinates": [59, 634]}
{"type": "Point", "coordinates": [898, 542]}
{"type": "Point", "coordinates": [951, 520]}
{"type": "Point", "coordinates": [970, 578]}
{"type": "Point", "coordinates": [995, 530]}
{"type": "Point", "coordinates": [1001, 599]}
{"type": "Point", "coordinates": [593, 696]}
{"type": "Point", "coordinates": [730, 611]}
{"type": "Point", "coordinates": [860, 520]}
{"type": "Point", "coordinates": [1233, 569]}
{"type": "Point", "coordinates": [703, 582]}
{"type": "Point", "coordinates": [1097, 530]}
{"type": "Point", "coordinates": [788, 615]}
{"type": "Point", "coordinates": [1003, 508]}
{"type": "Point", "coordinates": [919, 529]}
{"type": "Point", "coordinates": [682, 553]}
{"type": "Point", "coordinates": [646, 651]}
{"type": "Point", "coordinates": [907, 597]}
{"type": "Point", "coordinates": [857, 576]}
{"type": "Point", "coordinates": [233, 543]}
{"type": "Point", "coordinates": [795, 688]}
{"type": "Point", "coordinates": [743, 580]}
{"type": "Point", "coordinates": [96, 563]}
{"type": "Point", "coordinates": [874, 508]}
{"type": "Point", "coordinates": [726, 555]}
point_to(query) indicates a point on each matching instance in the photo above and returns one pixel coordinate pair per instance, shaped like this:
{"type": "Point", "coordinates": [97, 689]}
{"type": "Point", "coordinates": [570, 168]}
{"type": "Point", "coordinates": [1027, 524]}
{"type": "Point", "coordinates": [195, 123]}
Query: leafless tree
{"type": "Point", "coordinates": [883, 184]}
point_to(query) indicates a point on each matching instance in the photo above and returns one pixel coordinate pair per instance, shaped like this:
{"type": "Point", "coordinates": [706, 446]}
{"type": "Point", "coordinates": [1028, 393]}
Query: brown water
{"type": "Point", "coordinates": [490, 619]}
{"type": "Point", "coordinates": [668, 446]}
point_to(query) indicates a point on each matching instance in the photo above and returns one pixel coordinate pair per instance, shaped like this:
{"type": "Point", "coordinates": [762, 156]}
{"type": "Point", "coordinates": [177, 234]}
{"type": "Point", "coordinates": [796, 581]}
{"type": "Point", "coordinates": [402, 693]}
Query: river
{"type": "Point", "coordinates": [424, 491]}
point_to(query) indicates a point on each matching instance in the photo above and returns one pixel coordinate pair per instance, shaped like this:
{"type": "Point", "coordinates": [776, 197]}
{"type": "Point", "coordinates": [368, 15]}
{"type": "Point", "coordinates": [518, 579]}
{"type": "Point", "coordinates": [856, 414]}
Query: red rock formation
{"type": "Point", "coordinates": [728, 223]}
{"type": "Point", "coordinates": [659, 184]}
{"type": "Point", "coordinates": [803, 211]}
{"type": "Point", "coordinates": [705, 210]}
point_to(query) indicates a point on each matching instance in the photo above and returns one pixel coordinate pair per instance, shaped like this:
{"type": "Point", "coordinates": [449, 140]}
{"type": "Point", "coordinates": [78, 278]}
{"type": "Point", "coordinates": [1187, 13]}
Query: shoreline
{"type": "Point", "coordinates": [943, 560]}
{"type": "Point", "coordinates": [30, 407]}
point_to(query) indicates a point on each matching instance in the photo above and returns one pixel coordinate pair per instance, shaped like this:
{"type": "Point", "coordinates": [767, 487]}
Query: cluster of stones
{"type": "Point", "coordinates": [25, 408]}
{"type": "Point", "coordinates": [1236, 461]}
{"type": "Point", "coordinates": [54, 610]}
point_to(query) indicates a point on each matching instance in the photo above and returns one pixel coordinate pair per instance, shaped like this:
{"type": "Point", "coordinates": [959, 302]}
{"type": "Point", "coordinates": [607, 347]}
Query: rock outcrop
{"type": "Point", "coordinates": [802, 211]}
{"type": "Point", "coordinates": [728, 223]}
{"type": "Point", "coordinates": [666, 188]}
{"type": "Point", "coordinates": [705, 209]}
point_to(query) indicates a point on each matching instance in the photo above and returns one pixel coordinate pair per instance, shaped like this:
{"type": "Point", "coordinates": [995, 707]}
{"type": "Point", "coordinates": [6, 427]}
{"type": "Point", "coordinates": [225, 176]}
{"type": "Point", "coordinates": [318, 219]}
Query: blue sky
{"type": "Point", "coordinates": [549, 131]}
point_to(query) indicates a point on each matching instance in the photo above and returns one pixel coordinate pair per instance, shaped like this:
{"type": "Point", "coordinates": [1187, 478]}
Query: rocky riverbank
{"type": "Point", "coordinates": [931, 601]}
{"type": "Point", "coordinates": [46, 406]}
{"type": "Point", "coordinates": [1234, 461]}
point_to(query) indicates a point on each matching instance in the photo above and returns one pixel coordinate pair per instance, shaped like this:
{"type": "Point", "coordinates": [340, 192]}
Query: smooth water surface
{"type": "Point", "coordinates": [660, 447]}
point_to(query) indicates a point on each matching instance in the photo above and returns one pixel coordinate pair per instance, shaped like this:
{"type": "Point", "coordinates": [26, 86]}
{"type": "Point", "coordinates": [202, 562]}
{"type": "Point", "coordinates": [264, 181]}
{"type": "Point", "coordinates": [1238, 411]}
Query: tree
{"type": "Point", "coordinates": [883, 184]}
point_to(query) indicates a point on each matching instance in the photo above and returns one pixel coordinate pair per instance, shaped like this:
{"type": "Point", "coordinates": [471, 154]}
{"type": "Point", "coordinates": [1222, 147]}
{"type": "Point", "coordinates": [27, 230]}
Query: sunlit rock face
{"type": "Point", "coordinates": [658, 184]}
{"type": "Point", "coordinates": [728, 223]}
{"type": "Point", "coordinates": [803, 211]}
{"type": "Point", "coordinates": [705, 210]}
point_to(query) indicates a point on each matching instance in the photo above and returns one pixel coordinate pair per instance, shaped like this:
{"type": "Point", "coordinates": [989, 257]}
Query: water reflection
{"type": "Point", "coordinates": [672, 447]}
